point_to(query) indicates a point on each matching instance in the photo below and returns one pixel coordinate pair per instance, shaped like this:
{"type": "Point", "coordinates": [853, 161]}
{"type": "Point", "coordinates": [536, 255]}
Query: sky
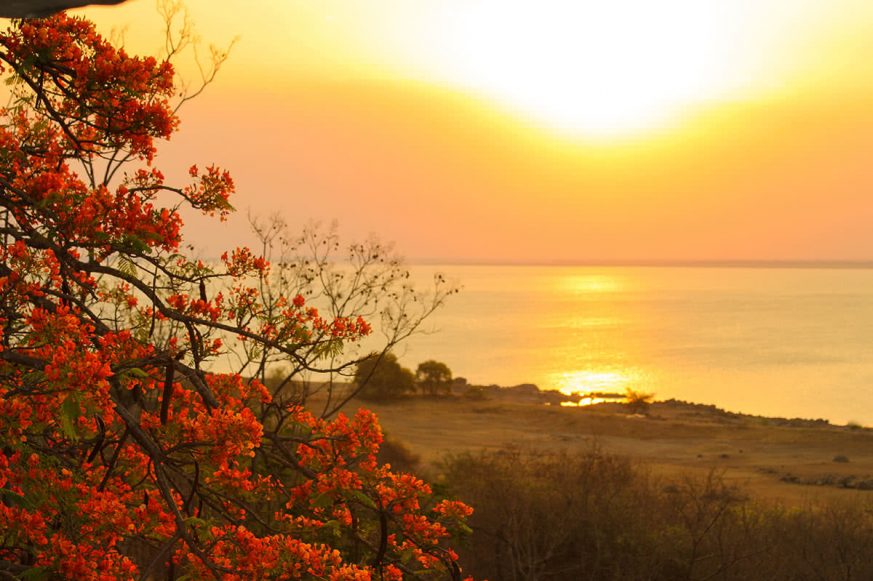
{"type": "Point", "coordinates": [538, 131]}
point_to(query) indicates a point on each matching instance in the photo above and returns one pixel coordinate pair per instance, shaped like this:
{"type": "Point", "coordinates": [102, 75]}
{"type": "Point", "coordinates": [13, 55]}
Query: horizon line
{"type": "Point", "coordinates": [657, 263]}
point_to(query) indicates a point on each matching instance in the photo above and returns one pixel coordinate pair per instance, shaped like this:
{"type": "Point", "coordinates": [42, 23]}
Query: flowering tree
{"type": "Point", "coordinates": [369, 281]}
{"type": "Point", "coordinates": [123, 453]}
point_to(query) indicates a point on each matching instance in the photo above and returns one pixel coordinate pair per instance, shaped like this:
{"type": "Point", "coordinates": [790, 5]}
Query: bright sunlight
{"type": "Point", "coordinates": [594, 69]}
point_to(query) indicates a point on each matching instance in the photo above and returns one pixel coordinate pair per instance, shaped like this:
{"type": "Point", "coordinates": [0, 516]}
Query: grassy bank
{"type": "Point", "coordinates": [792, 461]}
{"type": "Point", "coordinates": [683, 492]}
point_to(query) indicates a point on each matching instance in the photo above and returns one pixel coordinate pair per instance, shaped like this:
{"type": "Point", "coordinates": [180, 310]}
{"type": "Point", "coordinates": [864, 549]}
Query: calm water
{"type": "Point", "coordinates": [782, 342]}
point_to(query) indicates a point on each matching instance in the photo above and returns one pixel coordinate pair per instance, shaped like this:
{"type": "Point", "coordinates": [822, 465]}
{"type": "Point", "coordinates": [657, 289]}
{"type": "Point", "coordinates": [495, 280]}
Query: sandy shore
{"type": "Point", "coordinates": [793, 461]}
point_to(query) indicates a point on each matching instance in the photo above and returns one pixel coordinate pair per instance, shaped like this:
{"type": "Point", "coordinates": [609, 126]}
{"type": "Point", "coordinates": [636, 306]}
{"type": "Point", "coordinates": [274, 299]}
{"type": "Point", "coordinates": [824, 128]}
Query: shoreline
{"type": "Point", "coordinates": [531, 393]}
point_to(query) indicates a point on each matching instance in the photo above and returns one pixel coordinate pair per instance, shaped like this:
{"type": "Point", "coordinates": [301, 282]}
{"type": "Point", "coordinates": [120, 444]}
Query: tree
{"type": "Point", "coordinates": [380, 377]}
{"type": "Point", "coordinates": [123, 452]}
{"type": "Point", "coordinates": [367, 281]}
{"type": "Point", "coordinates": [638, 402]}
{"type": "Point", "coordinates": [434, 377]}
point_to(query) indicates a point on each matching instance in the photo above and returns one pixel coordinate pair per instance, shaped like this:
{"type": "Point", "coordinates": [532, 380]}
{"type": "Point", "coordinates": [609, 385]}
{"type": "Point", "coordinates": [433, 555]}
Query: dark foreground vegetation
{"type": "Point", "coordinates": [595, 516]}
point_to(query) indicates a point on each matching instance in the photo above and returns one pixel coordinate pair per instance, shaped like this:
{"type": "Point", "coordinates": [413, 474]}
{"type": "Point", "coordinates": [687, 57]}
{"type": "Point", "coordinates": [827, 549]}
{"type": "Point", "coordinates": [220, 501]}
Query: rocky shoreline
{"type": "Point", "coordinates": [531, 394]}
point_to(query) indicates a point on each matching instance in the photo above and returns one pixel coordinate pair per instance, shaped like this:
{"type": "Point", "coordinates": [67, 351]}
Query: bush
{"type": "Point", "coordinates": [398, 455]}
{"type": "Point", "coordinates": [638, 402]}
{"type": "Point", "coordinates": [475, 393]}
{"type": "Point", "coordinates": [563, 516]}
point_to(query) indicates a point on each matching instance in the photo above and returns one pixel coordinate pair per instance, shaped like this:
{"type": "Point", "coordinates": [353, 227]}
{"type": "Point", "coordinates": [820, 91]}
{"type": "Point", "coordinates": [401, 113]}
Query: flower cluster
{"type": "Point", "coordinates": [124, 453]}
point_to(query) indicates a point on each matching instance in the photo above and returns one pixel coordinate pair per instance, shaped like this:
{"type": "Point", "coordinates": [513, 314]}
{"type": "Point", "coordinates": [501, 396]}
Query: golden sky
{"type": "Point", "coordinates": [541, 130]}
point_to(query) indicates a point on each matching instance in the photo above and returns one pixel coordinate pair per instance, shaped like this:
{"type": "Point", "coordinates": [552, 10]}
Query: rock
{"type": "Point", "coordinates": [847, 482]}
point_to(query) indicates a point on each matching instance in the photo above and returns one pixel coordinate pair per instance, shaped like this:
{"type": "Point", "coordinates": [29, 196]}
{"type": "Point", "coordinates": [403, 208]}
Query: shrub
{"type": "Point", "coordinates": [475, 393]}
{"type": "Point", "coordinates": [638, 402]}
{"type": "Point", "coordinates": [398, 455]}
{"type": "Point", "coordinates": [566, 516]}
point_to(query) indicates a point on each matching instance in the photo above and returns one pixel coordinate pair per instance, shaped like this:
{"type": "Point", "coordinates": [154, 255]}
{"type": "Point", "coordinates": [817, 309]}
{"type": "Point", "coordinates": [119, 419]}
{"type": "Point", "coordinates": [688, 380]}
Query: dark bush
{"type": "Point", "coordinates": [562, 516]}
{"type": "Point", "coordinates": [398, 455]}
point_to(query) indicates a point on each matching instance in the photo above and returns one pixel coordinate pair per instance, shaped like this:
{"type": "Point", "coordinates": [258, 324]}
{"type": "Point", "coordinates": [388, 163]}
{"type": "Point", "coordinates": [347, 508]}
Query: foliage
{"type": "Point", "coordinates": [364, 281]}
{"type": "Point", "coordinates": [123, 452]}
{"type": "Point", "coordinates": [638, 402]}
{"type": "Point", "coordinates": [380, 377]}
{"type": "Point", "coordinates": [434, 377]}
{"type": "Point", "coordinates": [589, 515]}
{"type": "Point", "coordinates": [475, 393]}
{"type": "Point", "coordinates": [398, 455]}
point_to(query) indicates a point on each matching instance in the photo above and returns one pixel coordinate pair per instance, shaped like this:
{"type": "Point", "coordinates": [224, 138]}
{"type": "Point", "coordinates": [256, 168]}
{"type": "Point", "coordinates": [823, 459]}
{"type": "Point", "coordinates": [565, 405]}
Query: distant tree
{"type": "Point", "coordinates": [475, 393]}
{"type": "Point", "coordinates": [379, 376]}
{"type": "Point", "coordinates": [638, 402]}
{"type": "Point", "coordinates": [434, 377]}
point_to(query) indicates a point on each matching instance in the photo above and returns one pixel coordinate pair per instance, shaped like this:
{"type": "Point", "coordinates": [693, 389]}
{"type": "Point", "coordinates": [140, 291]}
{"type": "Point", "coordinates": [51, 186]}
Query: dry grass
{"type": "Point", "coordinates": [784, 461]}
{"type": "Point", "coordinates": [684, 492]}
{"type": "Point", "coordinates": [572, 516]}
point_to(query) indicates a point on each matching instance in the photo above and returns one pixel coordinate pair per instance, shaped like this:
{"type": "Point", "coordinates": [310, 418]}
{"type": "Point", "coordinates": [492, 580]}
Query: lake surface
{"type": "Point", "coordinates": [793, 342]}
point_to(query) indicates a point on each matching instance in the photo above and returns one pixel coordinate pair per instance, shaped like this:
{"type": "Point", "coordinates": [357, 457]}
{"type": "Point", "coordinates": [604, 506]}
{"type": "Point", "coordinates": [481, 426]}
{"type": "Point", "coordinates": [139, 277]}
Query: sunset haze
{"type": "Point", "coordinates": [542, 131]}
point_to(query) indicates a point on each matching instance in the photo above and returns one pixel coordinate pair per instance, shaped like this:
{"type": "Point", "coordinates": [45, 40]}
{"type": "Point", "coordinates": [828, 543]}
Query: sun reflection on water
{"type": "Point", "coordinates": [594, 386]}
{"type": "Point", "coordinates": [592, 283]}
{"type": "Point", "coordinates": [585, 401]}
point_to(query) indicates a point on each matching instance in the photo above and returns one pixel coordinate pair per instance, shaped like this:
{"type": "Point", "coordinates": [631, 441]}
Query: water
{"type": "Point", "coordinates": [770, 341]}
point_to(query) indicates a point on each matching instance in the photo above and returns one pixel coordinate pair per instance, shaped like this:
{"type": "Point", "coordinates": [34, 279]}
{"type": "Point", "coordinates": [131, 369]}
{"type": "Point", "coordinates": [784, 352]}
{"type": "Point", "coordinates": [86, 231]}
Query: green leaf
{"type": "Point", "coordinates": [323, 500]}
{"type": "Point", "coordinates": [12, 498]}
{"type": "Point", "coordinates": [334, 526]}
{"type": "Point", "coordinates": [136, 243]}
{"type": "Point", "coordinates": [363, 499]}
{"type": "Point", "coordinates": [126, 266]}
{"type": "Point", "coordinates": [70, 413]}
{"type": "Point", "coordinates": [137, 373]}
{"type": "Point", "coordinates": [36, 574]}
{"type": "Point", "coordinates": [407, 554]}
{"type": "Point", "coordinates": [193, 521]}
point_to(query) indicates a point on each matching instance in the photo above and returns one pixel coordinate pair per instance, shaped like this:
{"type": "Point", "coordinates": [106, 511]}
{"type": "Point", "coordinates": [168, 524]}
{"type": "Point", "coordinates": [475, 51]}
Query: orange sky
{"type": "Point", "coordinates": [374, 114]}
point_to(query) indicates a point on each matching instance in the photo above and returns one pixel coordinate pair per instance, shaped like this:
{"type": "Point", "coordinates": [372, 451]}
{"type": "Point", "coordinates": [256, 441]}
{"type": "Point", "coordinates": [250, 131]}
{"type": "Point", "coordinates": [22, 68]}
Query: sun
{"type": "Point", "coordinates": [591, 68]}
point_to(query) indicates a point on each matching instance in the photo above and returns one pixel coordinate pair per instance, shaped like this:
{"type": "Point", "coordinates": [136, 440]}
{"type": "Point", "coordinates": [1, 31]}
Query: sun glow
{"type": "Point", "coordinates": [595, 69]}
{"type": "Point", "coordinates": [585, 381]}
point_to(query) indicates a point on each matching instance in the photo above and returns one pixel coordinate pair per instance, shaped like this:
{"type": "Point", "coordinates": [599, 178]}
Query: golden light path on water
{"type": "Point", "coordinates": [590, 385]}
{"type": "Point", "coordinates": [789, 342]}
{"type": "Point", "coordinates": [783, 342]}
{"type": "Point", "coordinates": [590, 283]}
